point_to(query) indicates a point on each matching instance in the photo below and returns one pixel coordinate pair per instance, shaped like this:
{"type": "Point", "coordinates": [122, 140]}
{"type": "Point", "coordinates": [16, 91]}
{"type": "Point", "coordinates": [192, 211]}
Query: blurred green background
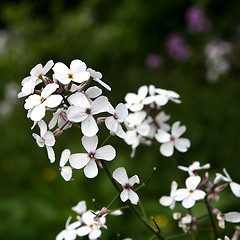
{"type": "Point", "coordinates": [119, 39]}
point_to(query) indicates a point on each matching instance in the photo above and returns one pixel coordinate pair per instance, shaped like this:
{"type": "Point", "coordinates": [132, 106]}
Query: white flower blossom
{"type": "Point", "coordinates": [136, 102]}
{"type": "Point", "coordinates": [194, 167]}
{"type": "Point", "coordinates": [191, 194]}
{"type": "Point", "coordinates": [36, 75]}
{"type": "Point", "coordinates": [88, 160]}
{"type": "Point", "coordinates": [47, 139]}
{"type": "Point", "coordinates": [77, 72]}
{"type": "Point", "coordinates": [70, 232]}
{"type": "Point", "coordinates": [91, 225]}
{"type": "Point", "coordinates": [120, 175]}
{"type": "Point", "coordinates": [83, 111]}
{"type": "Point", "coordinates": [235, 187]}
{"type": "Point", "coordinates": [36, 104]}
{"type": "Point", "coordinates": [66, 171]}
{"type": "Point", "coordinates": [233, 217]}
{"type": "Point", "coordinates": [169, 141]}
{"type": "Point", "coordinates": [170, 200]}
{"type": "Point", "coordinates": [163, 96]}
{"type": "Point", "coordinates": [113, 123]}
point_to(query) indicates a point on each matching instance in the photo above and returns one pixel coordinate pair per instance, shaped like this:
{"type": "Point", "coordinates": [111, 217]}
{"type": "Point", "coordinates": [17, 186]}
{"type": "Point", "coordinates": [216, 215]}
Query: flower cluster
{"type": "Point", "coordinates": [145, 125]}
{"type": "Point", "coordinates": [196, 191]}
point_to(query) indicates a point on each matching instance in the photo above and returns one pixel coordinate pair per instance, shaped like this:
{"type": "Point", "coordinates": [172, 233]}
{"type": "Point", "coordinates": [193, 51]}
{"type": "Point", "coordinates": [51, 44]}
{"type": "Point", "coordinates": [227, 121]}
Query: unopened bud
{"type": "Point", "coordinates": [57, 132]}
{"type": "Point", "coordinates": [101, 120]}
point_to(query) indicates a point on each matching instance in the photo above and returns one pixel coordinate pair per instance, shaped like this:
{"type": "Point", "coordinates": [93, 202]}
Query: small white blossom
{"type": "Point", "coordinates": [169, 141]}
{"type": "Point", "coordinates": [47, 139]}
{"type": "Point", "coordinates": [120, 175]}
{"type": "Point", "coordinates": [80, 208]}
{"type": "Point", "coordinates": [77, 72]}
{"type": "Point", "coordinates": [83, 111]}
{"type": "Point", "coordinates": [36, 75]}
{"type": "Point", "coordinates": [66, 171]}
{"type": "Point", "coordinates": [91, 225]}
{"type": "Point", "coordinates": [191, 194]}
{"type": "Point", "coordinates": [113, 123]}
{"type": "Point", "coordinates": [70, 232]}
{"type": "Point", "coordinates": [36, 104]}
{"type": "Point", "coordinates": [163, 96]}
{"type": "Point", "coordinates": [194, 167]}
{"type": "Point", "coordinates": [235, 187]}
{"type": "Point", "coordinates": [170, 200]}
{"type": "Point", "coordinates": [88, 160]}
{"type": "Point", "coordinates": [233, 217]}
{"type": "Point", "coordinates": [97, 76]}
{"type": "Point", "coordinates": [136, 102]}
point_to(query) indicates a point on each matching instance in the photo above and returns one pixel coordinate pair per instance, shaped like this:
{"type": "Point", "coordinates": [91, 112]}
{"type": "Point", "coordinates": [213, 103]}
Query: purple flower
{"type": "Point", "coordinates": [153, 61]}
{"type": "Point", "coordinates": [196, 20]}
{"type": "Point", "coordinates": [177, 47]}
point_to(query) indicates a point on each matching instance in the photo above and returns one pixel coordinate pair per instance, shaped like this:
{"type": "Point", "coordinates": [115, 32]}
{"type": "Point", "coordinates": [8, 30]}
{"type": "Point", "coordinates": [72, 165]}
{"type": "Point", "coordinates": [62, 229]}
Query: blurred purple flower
{"type": "Point", "coordinates": [153, 61]}
{"type": "Point", "coordinates": [196, 20]}
{"type": "Point", "coordinates": [177, 47]}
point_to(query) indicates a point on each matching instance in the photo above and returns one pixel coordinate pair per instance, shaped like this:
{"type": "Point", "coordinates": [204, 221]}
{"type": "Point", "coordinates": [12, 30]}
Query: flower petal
{"type": "Point", "coordinates": [107, 153]}
{"type": "Point", "coordinates": [182, 144]}
{"type": "Point", "coordinates": [51, 154]}
{"type": "Point", "coordinates": [120, 175]}
{"type": "Point", "coordinates": [66, 173]}
{"type": "Point", "coordinates": [188, 202]}
{"type": "Point", "coordinates": [101, 104]}
{"type": "Point", "coordinates": [49, 89]}
{"type": "Point", "coordinates": [91, 169]}
{"type": "Point", "coordinates": [235, 187]}
{"type": "Point", "coordinates": [53, 101]}
{"type": "Point", "coordinates": [192, 182]}
{"type": "Point", "coordinates": [90, 143]}
{"type": "Point", "coordinates": [133, 197]}
{"type": "Point", "coordinates": [124, 195]}
{"type": "Point", "coordinates": [79, 160]}
{"type": "Point", "coordinates": [166, 149]}
{"type": "Point", "coordinates": [38, 113]}
{"type": "Point", "coordinates": [134, 179]}
{"type": "Point", "coordinates": [64, 157]}
{"type": "Point", "coordinates": [89, 126]}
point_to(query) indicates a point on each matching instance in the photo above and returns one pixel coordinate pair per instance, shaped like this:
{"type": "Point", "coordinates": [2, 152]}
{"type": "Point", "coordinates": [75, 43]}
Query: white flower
{"type": "Point", "coordinates": [120, 175]}
{"type": "Point", "coordinates": [37, 104]}
{"type": "Point", "coordinates": [233, 217]}
{"type": "Point", "coordinates": [113, 123]}
{"type": "Point", "coordinates": [88, 160]}
{"type": "Point", "coordinates": [91, 225]}
{"type": "Point", "coordinates": [36, 75]}
{"type": "Point", "coordinates": [47, 139]}
{"type": "Point", "coordinates": [235, 187]}
{"type": "Point", "coordinates": [83, 111]}
{"type": "Point", "coordinates": [172, 140]}
{"type": "Point", "coordinates": [160, 119]}
{"type": "Point", "coordinates": [77, 72]}
{"type": "Point", "coordinates": [194, 167]}
{"type": "Point", "coordinates": [96, 76]}
{"type": "Point", "coordinates": [70, 232]}
{"type": "Point", "coordinates": [80, 208]}
{"type": "Point", "coordinates": [66, 171]}
{"type": "Point", "coordinates": [169, 200]}
{"type": "Point", "coordinates": [136, 102]}
{"type": "Point", "coordinates": [165, 95]}
{"type": "Point", "coordinates": [190, 195]}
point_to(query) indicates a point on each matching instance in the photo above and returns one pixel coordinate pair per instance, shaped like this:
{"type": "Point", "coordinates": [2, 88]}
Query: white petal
{"type": "Point", "coordinates": [111, 123]}
{"type": "Point", "coordinates": [90, 143]}
{"type": "Point", "coordinates": [143, 91]}
{"type": "Point", "coordinates": [80, 208]}
{"type": "Point", "coordinates": [107, 153]}
{"type": "Point", "coordinates": [49, 89]}
{"type": "Point", "coordinates": [49, 139]}
{"type": "Point", "coordinates": [176, 130]}
{"type": "Point", "coordinates": [233, 217]}
{"type": "Point", "coordinates": [101, 104]}
{"type": "Point", "coordinates": [76, 114]}
{"type": "Point", "coordinates": [132, 98]}
{"type": "Point", "coordinates": [39, 140]}
{"type": "Point", "coordinates": [103, 84]}
{"type": "Point", "coordinates": [64, 157]}
{"type": "Point", "coordinates": [38, 113]}
{"type": "Point", "coordinates": [235, 187]}
{"type": "Point", "coordinates": [79, 99]}
{"type": "Point", "coordinates": [79, 160]}
{"type": "Point", "coordinates": [32, 101]}
{"type": "Point", "coordinates": [181, 194]}
{"type": "Point", "coordinates": [198, 194]}
{"type": "Point", "coordinates": [134, 179]}
{"type": "Point", "coordinates": [53, 101]}
{"type": "Point", "coordinates": [66, 173]}
{"type": "Point", "coordinates": [89, 126]}
{"type": "Point", "coordinates": [94, 234]}
{"type": "Point", "coordinates": [166, 201]}
{"type": "Point", "coordinates": [120, 175]}
{"type": "Point", "coordinates": [162, 136]}
{"type": "Point", "coordinates": [61, 235]}
{"type": "Point", "coordinates": [43, 128]}
{"type": "Point", "coordinates": [47, 67]}
{"type": "Point", "coordinates": [166, 149]}
{"type": "Point", "coordinates": [143, 129]}
{"type": "Point", "coordinates": [120, 133]}
{"type": "Point", "coordinates": [192, 182]}
{"type": "Point", "coordinates": [121, 111]}
{"type": "Point", "coordinates": [83, 231]}
{"type": "Point", "coordinates": [81, 76]}
{"type": "Point", "coordinates": [133, 197]}
{"type": "Point", "coordinates": [91, 169]}
{"type": "Point", "coordinates": [93, 92]}
{"type": "Point", "coordinates": [188, 202]}
{"type": "Point", "coordinates": [182, 144]}
{"type": "Point", "coordinates": [51, 154]}
{"type": "Point", "coordinates": [77, 66]}
{"type": "Point", "coordinates": [124, 195]}
{"type": "Point", "coordinates": [136, 107]}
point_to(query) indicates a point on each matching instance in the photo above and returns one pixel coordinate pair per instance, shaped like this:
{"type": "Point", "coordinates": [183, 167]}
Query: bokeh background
{"type": "Point", "coordinates": [191, 47]}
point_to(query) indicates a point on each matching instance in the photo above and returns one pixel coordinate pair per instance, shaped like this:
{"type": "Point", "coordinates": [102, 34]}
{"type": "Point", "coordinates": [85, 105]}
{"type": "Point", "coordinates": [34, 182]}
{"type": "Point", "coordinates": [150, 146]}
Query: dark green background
{"type": "Point", "coordinates": [114, 37]}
